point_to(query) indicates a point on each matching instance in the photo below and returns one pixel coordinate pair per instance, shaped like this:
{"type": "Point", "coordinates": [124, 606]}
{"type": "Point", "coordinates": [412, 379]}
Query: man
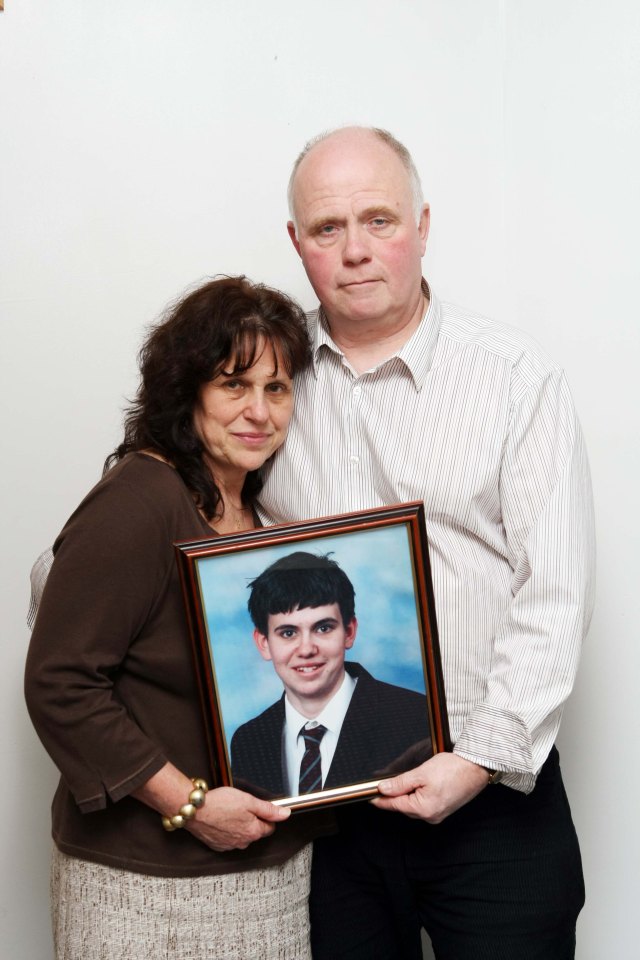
{"type": "Point", "coordinates": [410, 398]}
{"type": "Point", "coordinates": [335, 724]}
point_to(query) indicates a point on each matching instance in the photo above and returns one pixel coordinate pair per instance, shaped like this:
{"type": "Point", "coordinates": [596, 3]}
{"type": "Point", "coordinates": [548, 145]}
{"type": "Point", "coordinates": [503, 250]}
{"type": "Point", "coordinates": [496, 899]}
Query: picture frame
{"type": "Point", "coordinates": [396, 716]}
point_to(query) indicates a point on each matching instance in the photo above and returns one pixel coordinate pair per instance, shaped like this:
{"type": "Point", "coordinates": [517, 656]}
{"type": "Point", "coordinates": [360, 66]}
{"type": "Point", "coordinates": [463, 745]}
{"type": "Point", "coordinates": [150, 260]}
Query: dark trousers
{"type": "Point", "coordinates": [501, 878]}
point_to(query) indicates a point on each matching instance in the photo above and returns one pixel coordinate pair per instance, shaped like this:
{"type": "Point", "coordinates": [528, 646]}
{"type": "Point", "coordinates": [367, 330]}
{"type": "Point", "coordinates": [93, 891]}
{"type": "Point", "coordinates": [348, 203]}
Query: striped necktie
{"type": "Point", "coordinates": [310, 768]}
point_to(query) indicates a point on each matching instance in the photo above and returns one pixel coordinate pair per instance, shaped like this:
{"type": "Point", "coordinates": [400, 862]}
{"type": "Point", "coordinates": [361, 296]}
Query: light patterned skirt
{"type": "Point", "coordinates": [101, 913]}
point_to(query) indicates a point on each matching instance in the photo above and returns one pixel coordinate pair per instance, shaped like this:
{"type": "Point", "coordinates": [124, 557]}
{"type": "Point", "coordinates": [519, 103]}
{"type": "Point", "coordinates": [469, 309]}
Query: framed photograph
{"type": "Point", "coordinates": [316, 650]}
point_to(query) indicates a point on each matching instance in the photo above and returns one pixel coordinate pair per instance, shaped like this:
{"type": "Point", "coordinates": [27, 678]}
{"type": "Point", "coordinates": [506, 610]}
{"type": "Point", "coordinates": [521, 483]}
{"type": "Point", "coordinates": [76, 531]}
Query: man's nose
{"type": "Point", "coordinates": [307, 645]}
{"type": "Point", "coordinates": [356, 245]}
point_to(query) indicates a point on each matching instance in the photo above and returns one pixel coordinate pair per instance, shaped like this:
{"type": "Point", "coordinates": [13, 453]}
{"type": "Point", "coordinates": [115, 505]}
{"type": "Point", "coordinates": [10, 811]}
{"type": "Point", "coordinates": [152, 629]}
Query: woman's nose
{"type": "Point", "coordinates": [257, 409]}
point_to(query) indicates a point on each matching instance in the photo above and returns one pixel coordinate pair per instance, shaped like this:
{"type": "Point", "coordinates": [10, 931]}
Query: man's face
{"type": "Point", "coordinates": [307, 649]}
{"type": "Point", "coordinates": [357, 233]}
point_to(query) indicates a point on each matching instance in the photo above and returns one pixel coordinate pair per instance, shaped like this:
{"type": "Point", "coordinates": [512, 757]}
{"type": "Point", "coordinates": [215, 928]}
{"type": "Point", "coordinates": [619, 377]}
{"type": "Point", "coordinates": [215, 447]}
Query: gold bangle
{"type": "Point", "coordinates": [188, 810]}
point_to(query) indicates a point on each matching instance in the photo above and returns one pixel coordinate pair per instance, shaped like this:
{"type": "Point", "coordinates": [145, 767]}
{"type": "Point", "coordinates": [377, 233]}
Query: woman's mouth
{"type": "Point", "coordinates": [252, 439]}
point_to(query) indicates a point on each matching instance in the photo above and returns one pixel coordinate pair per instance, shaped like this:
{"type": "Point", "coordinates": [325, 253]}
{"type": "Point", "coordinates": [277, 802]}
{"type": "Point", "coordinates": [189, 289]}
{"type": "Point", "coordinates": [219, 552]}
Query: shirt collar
{"type": "Point", "coordinates": [416, 354]}
{"type": "Point", "coordinates": [333, 713]}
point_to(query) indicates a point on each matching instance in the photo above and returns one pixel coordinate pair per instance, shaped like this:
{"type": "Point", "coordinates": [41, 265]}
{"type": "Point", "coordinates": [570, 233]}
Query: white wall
{"type": "Point", "coordinates": [147, 145]}
{"type": "Point", "coordinates": [572, 109]}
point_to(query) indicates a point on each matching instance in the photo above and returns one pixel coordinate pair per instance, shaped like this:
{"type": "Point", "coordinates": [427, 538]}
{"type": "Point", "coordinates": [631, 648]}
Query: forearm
{"type": "Point", "coordinates": [166, 791]}
{"type": "Point", "coordinates": [90, 736]}
{"type": "Point", "coordinates": [548, 521]}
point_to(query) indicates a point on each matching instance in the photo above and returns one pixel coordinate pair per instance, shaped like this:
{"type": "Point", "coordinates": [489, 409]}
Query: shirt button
{"type": "Point", "coordinates": [357, 391]}
{"type": "Point", "coordinates": [354, 459]}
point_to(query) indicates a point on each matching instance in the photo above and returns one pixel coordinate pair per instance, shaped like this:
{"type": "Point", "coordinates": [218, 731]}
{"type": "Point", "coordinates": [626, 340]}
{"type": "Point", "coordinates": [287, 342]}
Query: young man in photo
{"type": "Point", "coordinates": [335, 724]}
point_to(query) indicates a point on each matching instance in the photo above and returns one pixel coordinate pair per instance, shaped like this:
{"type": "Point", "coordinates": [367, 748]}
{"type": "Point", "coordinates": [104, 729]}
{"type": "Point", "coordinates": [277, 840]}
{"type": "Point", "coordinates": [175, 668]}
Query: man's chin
{"type": "Point", "coordinates": [363, 308]}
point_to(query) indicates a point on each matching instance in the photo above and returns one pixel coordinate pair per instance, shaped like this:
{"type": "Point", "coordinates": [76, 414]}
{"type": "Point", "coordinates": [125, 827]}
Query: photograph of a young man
{"type": "Point", "coordinates": [335, 724]}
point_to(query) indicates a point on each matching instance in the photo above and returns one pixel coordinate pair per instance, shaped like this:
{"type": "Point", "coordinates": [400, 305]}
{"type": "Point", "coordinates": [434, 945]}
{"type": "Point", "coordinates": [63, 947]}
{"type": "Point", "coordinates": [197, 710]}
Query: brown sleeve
{"type": "Point", "coordinates": [112, 564]}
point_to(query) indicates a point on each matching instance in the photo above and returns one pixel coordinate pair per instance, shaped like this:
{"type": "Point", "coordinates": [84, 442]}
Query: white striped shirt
{"type": "Point", "coordinates": [472, 418]}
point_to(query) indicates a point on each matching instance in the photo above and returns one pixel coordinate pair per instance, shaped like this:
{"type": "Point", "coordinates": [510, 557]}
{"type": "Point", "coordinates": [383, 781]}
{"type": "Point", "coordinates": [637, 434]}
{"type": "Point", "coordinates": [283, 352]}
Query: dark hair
{"type": "Point", "coordinates": [221, 323]}
{"type": "Point", "coordinates": [296, 581]}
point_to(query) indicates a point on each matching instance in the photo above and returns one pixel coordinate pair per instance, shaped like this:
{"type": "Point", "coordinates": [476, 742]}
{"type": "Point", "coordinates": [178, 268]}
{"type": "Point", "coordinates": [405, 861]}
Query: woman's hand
{"type": "Point", "coordinates": [231, 819]}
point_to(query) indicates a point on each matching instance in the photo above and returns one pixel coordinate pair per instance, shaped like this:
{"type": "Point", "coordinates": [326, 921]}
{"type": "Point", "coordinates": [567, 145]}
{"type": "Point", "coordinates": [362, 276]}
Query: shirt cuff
{"type": "Point", "coordinates": [499, 740]}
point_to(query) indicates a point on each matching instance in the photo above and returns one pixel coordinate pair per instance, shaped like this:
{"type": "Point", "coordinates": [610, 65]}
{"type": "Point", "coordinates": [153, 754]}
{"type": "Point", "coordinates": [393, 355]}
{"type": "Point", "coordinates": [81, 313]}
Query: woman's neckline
{"type": "Point", "coordinates": [149, 455]}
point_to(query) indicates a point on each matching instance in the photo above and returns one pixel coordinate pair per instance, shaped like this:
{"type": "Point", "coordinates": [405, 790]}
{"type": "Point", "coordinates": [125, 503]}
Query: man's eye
{"type": "Point", "coordinates": [233, 384]}
{"type": "Point", "coordinates": [287, 634]}
{"type": "Point", "coordinates": [379, 221]}
{"type": "Point", "coordinates": [325, 628]}
{"type": "Point", "coordinates": [327, 229]}
{"type": "Point", "coordinates": [277, 388]}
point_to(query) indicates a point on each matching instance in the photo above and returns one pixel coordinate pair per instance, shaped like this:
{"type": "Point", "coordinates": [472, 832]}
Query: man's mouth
{"type": "Point", "coordinates": [308, 668]}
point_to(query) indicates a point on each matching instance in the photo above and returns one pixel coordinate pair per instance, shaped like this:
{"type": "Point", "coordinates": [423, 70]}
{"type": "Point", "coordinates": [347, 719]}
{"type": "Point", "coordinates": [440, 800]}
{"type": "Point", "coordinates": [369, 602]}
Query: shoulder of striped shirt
{"type": "Point", "coordinates": [516, 347]}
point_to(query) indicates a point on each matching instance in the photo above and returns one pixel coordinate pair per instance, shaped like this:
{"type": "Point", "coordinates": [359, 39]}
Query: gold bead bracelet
{"type": "Point", "coordinates": [188, 810]}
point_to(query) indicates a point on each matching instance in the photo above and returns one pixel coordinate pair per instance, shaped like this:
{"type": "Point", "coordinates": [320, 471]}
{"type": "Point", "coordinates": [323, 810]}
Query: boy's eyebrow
{"type": "Point", "coordinates": [316, 623]}
{"type": "Point", "coordinates": [327, 620]}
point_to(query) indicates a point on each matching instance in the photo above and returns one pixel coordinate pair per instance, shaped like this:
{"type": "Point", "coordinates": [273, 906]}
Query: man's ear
{"type": "Point", "coordinates": [291, 229]}
{"type": "Point", "coordinates": [350, 633]}
{"type": "Point", "coordinates": [262, 644]}
{"type": "Point", "coordinates": [423, 226]}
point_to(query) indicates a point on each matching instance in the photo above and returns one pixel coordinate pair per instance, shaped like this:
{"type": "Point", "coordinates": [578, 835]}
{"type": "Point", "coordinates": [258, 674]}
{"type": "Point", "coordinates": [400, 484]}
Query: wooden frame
{"type": "Point", "coordinates": [397, 715]}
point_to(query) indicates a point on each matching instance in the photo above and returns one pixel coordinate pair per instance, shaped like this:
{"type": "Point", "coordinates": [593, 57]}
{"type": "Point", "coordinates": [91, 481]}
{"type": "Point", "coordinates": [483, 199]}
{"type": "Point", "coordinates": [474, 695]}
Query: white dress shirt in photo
{"type": "Point", "coordinates": [331, 717]}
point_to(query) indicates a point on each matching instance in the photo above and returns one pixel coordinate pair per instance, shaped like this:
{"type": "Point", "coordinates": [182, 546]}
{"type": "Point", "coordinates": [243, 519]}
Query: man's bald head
{"type": "Point", "coordinates": [377, 133]}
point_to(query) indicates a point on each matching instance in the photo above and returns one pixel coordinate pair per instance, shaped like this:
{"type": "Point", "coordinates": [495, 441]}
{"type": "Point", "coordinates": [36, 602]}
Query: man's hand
{"type": "Point", "coordinates": [232, 819]}
{"type": "Point", "coordinates": [433, 790]}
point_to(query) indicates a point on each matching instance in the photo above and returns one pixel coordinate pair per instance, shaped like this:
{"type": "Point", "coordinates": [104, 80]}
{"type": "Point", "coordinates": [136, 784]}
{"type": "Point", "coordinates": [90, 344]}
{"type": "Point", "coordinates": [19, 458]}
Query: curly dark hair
{"type": "Point", "coordinates": [221, 326]}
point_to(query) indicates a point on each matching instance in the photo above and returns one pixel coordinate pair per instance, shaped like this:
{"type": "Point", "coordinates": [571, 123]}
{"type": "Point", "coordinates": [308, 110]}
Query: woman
{"type": "Point", "coordinates": [110, 684]}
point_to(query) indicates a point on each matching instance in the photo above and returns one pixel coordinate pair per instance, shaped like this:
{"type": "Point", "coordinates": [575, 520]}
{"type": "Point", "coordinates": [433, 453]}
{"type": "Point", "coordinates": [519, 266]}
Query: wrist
{"type": "Point", "coordinates": [495, 776]}
{"type": "Point", "coordinates": [188, 810]}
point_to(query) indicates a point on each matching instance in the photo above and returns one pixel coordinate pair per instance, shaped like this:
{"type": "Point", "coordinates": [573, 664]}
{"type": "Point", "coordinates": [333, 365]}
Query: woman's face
{"type": "Point", "coordinates": [242, 419]}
